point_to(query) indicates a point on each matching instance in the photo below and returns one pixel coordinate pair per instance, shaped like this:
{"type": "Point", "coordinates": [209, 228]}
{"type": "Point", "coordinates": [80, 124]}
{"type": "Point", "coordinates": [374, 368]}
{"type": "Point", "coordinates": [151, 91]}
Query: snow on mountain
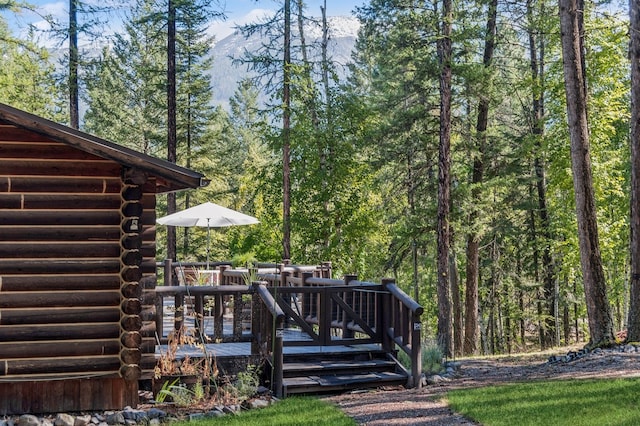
{"type": "Point", "coordinates": [225, 75]}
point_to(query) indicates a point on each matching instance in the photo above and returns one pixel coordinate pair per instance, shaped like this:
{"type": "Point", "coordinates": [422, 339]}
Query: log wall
{"type": "Point", "coordinates": [77, 237]}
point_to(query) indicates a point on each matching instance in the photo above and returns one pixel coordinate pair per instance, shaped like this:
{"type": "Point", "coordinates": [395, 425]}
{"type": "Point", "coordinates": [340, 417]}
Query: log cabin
{"type": "Point", "coordinates": [77, 266]}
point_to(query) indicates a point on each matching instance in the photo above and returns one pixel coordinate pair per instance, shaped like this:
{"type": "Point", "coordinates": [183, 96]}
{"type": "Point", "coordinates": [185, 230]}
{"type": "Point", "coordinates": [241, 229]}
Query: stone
{"type": "Point", "coordinates": [156, 413]}
{"type": "Point", "coordinates": [259, 403]}
{"type": "Point", "coordinates": [28, 420]}
{"type": "Point", "coordinates": [115, 419]}
{"type": "Point", "coordinates": [64, 419]}
{"type": "Point", "coordinates": [435, 379]}
{"type": "Point", "coordinates": [82, 420]}
{"type": "Point", "coordinates": [135, 415]}
{"type": "Point", "coordinates": [215, 413]}
{"type": "Point", "coordinates": [196, 416]}
{"type": "Point", "coordinates": [261, 390]}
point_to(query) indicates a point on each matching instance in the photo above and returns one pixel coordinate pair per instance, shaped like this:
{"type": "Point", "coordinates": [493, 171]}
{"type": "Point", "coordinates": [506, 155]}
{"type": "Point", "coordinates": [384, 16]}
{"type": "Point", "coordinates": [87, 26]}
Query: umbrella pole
{"type": "Point", "coordinates": [208, 240]}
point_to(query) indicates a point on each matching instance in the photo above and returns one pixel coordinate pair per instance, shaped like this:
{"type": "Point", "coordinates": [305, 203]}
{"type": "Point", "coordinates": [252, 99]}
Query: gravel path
{"type": "Point", "coordinates": [427, 406]}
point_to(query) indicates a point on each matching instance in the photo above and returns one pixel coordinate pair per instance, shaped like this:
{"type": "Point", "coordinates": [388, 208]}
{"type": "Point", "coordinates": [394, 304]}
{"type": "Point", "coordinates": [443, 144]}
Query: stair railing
{"type": "Point", "coordinates": [268, 332]}
{"type": "Point", "coordinates": [402, 327]}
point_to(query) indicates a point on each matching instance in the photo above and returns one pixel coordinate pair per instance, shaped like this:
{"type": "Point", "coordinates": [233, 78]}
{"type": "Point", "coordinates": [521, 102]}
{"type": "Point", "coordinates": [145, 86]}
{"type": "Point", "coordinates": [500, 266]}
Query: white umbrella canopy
{"type": "Point", "coordinates": [209, 215]}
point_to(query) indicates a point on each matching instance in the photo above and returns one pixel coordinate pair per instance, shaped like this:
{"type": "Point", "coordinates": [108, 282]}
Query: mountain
{"type": "Point", "coordinates": [225, 75]}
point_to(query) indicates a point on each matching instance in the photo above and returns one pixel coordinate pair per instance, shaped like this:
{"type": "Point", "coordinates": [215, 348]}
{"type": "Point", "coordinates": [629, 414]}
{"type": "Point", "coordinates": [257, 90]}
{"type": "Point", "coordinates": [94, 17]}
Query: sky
{"type": "Point", "coordinates": [237, 12]}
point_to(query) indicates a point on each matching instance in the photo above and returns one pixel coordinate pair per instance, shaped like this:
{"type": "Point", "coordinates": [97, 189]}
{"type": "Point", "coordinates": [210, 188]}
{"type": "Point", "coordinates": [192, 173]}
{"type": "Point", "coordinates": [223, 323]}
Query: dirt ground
{"type": "Point", "coordinates": [427, 406]}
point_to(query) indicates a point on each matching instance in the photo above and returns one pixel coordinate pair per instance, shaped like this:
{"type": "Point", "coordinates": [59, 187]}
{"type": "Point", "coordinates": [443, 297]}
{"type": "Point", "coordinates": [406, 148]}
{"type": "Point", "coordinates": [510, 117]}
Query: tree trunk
{"type": "Point", "coordinates": [458, 334]}
{"type": "Point", "coordinates": [473, 256]}
{"type": "Point", "coordinates": [633, 318]}
{"type": "Point", "coordinates": [286, 135]}
{"type": "Point", "coordinates": [444, 332]}
{"type": "Point", "coordinates": [74, 115]}
{"type": "Point", "coordinates": [598, 310]}
{"type": "Point", "coordinates": [536, 55]}
{"type": "Point", "coordinates": [171, 119]}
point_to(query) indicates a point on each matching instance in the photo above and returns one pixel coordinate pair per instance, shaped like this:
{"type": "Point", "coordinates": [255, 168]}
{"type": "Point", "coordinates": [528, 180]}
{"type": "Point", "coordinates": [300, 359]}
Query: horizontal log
{"type": "Point", "coordinates": [59, 365]}
{"type": "Point", "coordinates": [131, 257]}
{"type": "Point", "coordinates": [16, 316]}
{"type": "Point", "coordinates": [132, 192]}
{"type": "Point", "coordinates": [60, 282]}
{"type": "Point", "coordinates": [130, 355]}
{"type": "Point", "coordinates": [33, 299]}
{"type": "Point", "coordinates": [65, 201]}
{"type": "Point", "coordinates": [36, 167]}
{"type": "Point", "coordinates": [148, 313]}
{"type": "Point", "coordinates": [60, 201]}
{"type": "Point", "coordinates": [130, 372]}
{"type": "Point", "coordinates": [131, 290]}
{"type": "Point", "coordinates": [131, 339]}
{"type": "Point", "coordinates": [131, 273]}
{"type": "Point", "coordinates": [131, 306]}
{"type": "Point", "coordinates": [57, 266]}
{"type": "Point", "coordinates": [80, 331]}
{"type": "Point", "coordinates": [131, 322]}
{"type": "Point", "coordinates": [66, 217]}
{"type": "Point", "coordinates": [148, 329]}
{"type": "Point", "coordinates": [61, 348]}
{"type": "Point", "coordinates": [39, 150]}
{"type": "Point", "coordinates": [132, 208]}
{"type": "Point", "coordinates": [66, 250]}
{"type": "Point", "coordinates": [53, 183]}
{"type": "Point", "coordinates": [60, 233]}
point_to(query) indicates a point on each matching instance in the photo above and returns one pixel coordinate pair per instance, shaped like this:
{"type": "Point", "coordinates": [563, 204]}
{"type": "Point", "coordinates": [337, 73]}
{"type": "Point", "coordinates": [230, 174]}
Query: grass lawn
{"type": "Point", "coordinates": [287, 412]}
{"type": "Point", "coordinates": [571, 402]}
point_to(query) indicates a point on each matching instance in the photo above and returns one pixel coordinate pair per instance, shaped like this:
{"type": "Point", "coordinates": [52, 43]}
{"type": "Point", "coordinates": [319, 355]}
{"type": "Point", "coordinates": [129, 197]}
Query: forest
{"type": "Point", "coordinates": [452, 156]}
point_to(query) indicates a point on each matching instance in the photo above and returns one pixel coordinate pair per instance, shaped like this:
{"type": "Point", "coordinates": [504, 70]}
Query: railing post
{"type": "Point", "coordinates": [387, 316]}
{"type": "Point", "coordinates": [324, 316]}
{"type": "Point", "coordinates": [159, 316]}
{"type": "Point", "coordinates": [278, 358]}
{"type": "Point", "coordinates": [326, 270]}
{"type": "Point", "coordinates": [168, 272]}
{"type": "Point", "coordinates": [307, 298]}
{"type": "Point", "coordinates": [223, 280]}
{"type": "Point", "coordinates": [416, 350]}
{"type": "Point", "coordinates": [198, 312]}
{"type": "Point", "coordinates": [256, 323]}
{"type": "Point", "coordinates": [178, 315]}
{"type": "Point", "coordinates": [348, 298]}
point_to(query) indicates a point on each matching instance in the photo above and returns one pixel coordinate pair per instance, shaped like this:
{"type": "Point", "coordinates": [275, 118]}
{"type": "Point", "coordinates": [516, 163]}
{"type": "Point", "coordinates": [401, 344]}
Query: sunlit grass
{"type": "Point", "coordinates": [291, 411]}
{"type": "Point", "coordinates": [562, 402]}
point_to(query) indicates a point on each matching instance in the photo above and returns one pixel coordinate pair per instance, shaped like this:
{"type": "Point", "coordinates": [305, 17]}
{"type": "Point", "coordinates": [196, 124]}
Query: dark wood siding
{"type": "Point", "coordinates": [63, 244]}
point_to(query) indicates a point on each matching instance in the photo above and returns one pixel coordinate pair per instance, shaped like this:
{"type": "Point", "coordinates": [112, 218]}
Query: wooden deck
{"type": "Point", "coordinates": [241, 349]}
{"type": "Point", "coordinates": [308, 334]}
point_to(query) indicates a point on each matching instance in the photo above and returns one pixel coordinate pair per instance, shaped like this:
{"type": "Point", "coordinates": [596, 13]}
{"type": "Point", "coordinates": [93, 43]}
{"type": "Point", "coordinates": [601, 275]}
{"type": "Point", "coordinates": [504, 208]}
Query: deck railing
{"type": "Point", "coordinates": [299, 303]}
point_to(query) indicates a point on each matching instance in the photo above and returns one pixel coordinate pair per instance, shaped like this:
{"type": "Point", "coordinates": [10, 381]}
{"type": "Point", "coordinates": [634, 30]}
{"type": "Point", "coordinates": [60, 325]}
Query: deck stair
{"type": "Point", "coordinates": [332, 371]}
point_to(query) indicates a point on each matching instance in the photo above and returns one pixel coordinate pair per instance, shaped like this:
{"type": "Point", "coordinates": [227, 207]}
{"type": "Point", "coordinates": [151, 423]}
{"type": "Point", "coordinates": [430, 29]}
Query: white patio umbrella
{"type": "Point", "coordinates": [209, 215]}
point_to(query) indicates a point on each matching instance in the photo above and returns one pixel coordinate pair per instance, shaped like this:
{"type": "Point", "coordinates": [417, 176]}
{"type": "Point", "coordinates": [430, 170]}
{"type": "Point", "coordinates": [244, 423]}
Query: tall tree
{"type": "Point", "coordinates": [473, 238]}
{"type": "Point", "coordinates": [572, 37]}
{"type": "Point", "coordinates": [286, 134]}
{"type": "Point", "coordinates": [445, 319]}
{"type": "Point", "coordinates": [536, 63]}
{"type": "Point", "coordinates": [633, 320]}
{"type": "Point", "coordinates": [172, 133]}
{"type": "Point", "coordinates": [74, 98]}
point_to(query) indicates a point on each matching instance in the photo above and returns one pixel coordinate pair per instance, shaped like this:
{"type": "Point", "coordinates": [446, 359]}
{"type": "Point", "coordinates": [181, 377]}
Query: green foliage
{"type": "Point", "coordinates": [560, 402]}
{"type": "Point", "coordinates": [247, 383]}
{"type": "Point", "coordinates": [431, 355]}
{"type": "Point", "coordinates": [289, 411]}
{"type": "Point", "coordinates": [27, 76]}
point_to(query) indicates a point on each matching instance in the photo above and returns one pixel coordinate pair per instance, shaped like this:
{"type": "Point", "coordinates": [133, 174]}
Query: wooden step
{"type": "Point", "coordinates": [332, 383]}
{"type": "Point", "coordinates": [328, 367]}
